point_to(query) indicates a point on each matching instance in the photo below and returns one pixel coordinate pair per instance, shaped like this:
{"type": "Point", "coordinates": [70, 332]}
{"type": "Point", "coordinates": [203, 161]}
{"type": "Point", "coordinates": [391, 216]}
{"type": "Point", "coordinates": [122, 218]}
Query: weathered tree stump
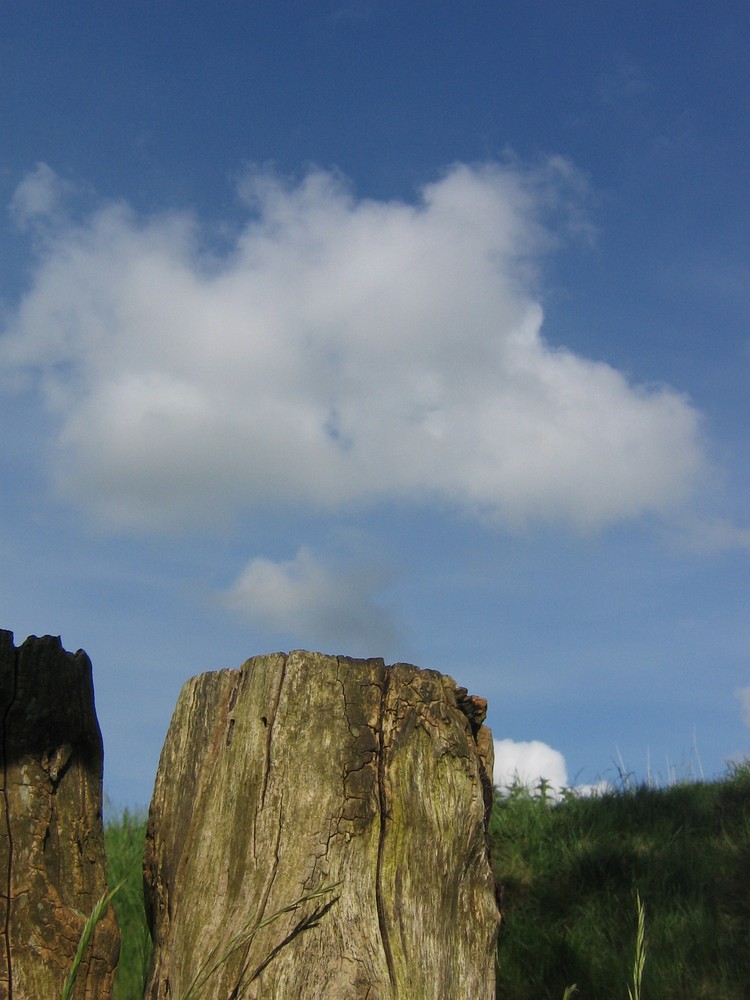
{"type": "Point", "coordinates": [296, 772]}
{"type": "Point", "coordinates": [52, 864]}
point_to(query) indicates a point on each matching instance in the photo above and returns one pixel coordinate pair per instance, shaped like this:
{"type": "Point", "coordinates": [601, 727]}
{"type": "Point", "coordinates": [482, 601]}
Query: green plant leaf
{"type": "Point", "coordinates": [95, 916]}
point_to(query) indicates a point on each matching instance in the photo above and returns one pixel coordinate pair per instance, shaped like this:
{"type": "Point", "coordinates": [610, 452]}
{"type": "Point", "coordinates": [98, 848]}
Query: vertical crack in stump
{"type": "Point", "coordinates": [269, 723]}
{"type": "Point", "coordinates": [8, 832]}
{"type": "Point", "coordinates": [340, 772]}
{"type": "Point", "coordinates": [383, 801]}
{"type": "Point", "coordinates": [269, 731]}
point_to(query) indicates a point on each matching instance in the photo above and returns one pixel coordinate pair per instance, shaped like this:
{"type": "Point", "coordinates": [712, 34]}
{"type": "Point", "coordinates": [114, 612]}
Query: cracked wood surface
{"type": "Point", "coordinates": [299, 771]}
{"type": "Point", "coordinates": [52, 860]}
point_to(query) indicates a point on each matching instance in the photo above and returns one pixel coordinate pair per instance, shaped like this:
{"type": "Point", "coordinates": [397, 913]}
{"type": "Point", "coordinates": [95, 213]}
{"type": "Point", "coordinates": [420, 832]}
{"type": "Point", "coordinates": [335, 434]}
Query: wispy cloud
{"type": "Point", "coordinates": [624, 82]}
{"type": "Point", "coordinates": [307, 597]}
{"type": "Point", "coordinates": [743, 696]}
{"type": "Point", "coordinates": [714, 535]}
{"type": "Point", "coordinates": [40, 198]}
{"type": "Point", "coordinates": [341, 351]}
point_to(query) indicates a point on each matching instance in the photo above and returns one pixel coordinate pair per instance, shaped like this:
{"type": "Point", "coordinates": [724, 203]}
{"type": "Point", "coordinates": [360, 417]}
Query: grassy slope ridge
{"type": "Point", "coordinates": [571, 872]}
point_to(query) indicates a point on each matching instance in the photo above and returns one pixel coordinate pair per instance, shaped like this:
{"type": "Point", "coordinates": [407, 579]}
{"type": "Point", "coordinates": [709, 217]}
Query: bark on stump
{"type": "Point", "coordinates": [51, 834]}
{"type": "Point", "coordinates": [299, 771]}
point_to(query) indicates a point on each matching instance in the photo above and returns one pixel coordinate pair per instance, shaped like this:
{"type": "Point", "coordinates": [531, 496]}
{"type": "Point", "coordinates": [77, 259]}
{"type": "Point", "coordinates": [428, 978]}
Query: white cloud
{"type": "Point", "coordinates": [600, 787]}
{"type": "Point", "coordinates": [529, 763]}
{"type": "Point", "coordinates": [713, 536]}
{"type": "Point", "coordinates": [743, 695]}
{"type": "Point", "coordinates": [40, 197]}
{"type": "Point", "coordinates": [341, 351]}
{"type": "Point", "coordinates": [305, 598]}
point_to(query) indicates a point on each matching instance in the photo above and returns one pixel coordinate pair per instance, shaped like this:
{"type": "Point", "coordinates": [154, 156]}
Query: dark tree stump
{"type": "Point", "coordinates": [299, 771]}
{"type": "Point", "coordinates": [52, 864]}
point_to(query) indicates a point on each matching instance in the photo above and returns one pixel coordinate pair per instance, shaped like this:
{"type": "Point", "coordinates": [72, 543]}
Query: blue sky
{"type": "Point", "coordinates": [411, 330]}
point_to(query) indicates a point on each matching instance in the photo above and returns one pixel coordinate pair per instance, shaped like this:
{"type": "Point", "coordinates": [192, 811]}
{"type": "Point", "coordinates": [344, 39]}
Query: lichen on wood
{"type": "Point", "coordinates": [302, 771]}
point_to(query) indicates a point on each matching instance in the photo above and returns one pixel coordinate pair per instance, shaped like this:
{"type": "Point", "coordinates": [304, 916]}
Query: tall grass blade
{"type": "Point", "coordinates": [640, 951]}
{"type": "Point", "coordinates": [240, 939]}
{"type": "Point", "coordinates": [96, 915]}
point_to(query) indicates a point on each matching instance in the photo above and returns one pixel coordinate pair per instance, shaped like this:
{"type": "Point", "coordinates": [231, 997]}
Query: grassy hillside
{"type": "Point", "coordinates": [124, 839]}
{"type": "Point", "coordinates": [572, 873]}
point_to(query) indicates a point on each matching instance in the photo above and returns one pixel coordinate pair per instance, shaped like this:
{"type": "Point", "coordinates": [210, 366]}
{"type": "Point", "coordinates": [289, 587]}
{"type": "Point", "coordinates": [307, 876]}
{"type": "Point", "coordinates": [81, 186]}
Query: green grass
{"type": "Point", "coordinates": [124, 839]}
{"type": "Point", "coordinates": [574, 874]}
{"type": "Point", "coordinates": [642, 893]}
{"type": "Point", "coordinates": [88, 932]}
{"type": "Point", "coordinates": [639, 962]}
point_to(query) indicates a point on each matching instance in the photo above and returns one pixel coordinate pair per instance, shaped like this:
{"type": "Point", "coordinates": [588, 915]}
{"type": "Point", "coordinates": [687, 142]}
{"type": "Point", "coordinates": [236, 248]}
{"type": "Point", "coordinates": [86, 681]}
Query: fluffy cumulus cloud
{"type": "Point", "coordinates": [536, 765]}
{"type": "Point", "coordinates": [331, 605]}
{"type": "Point", "coordinates": [528, 763]}
{"type": "Point", "coordinates": [338, 351]}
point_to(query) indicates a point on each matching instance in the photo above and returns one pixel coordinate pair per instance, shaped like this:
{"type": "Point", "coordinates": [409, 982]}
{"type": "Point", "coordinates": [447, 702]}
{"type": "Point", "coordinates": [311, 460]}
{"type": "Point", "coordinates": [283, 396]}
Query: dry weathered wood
{"type": "Point", "coordinates": [52, 865]}
{"type": "Point", "coordinates": [299, 771]}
